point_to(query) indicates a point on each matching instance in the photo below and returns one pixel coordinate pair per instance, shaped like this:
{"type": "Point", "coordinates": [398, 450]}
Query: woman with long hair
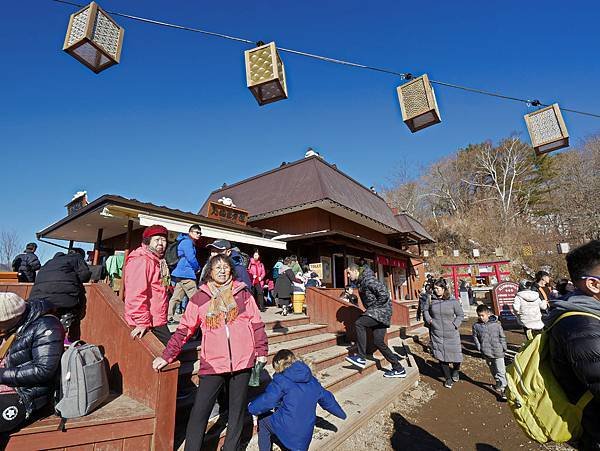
{"type": "Point", "coordinates": [443, 315]}
{"type": "Point", "coordinates": [233, 339]}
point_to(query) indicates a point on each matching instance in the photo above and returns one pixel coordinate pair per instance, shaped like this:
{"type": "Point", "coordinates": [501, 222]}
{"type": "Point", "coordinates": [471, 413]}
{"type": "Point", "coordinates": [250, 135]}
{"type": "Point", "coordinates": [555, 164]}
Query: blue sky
{"type": "Point", "coordinates": [175, 120]}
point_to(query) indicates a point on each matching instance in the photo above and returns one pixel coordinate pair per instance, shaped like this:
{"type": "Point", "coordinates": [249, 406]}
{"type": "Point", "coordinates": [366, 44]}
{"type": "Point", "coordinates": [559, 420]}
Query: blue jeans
{"type": "Point", "coordinates": [266, 435]}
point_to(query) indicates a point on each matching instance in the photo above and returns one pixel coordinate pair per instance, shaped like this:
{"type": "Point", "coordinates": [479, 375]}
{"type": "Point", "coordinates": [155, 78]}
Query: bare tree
{"type": "Point", "coordinates": [10, 245]}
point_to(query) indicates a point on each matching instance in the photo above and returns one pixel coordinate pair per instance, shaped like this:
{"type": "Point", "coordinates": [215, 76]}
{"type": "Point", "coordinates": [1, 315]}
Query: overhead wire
{"type": "Point", "coordinates": [406, 76]}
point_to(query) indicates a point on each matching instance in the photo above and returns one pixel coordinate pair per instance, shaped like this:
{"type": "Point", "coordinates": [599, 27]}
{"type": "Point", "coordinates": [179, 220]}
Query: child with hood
{"type": "Point", "coordinates": [528, 306]}
{"type": "Point", "coordinates": [294, 394]}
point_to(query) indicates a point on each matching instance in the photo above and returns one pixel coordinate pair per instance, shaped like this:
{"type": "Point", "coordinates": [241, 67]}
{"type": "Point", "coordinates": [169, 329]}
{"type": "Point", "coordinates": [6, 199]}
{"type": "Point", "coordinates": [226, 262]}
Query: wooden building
{"type": "Point", "coordinates": [327, 217]}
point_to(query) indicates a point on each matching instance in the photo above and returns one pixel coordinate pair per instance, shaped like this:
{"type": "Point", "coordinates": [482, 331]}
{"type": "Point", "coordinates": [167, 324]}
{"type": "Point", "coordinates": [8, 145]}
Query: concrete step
{"type": "Point", "coordinates": [294, 332]}
{"type": "Point", "coordinates": [286, 321]}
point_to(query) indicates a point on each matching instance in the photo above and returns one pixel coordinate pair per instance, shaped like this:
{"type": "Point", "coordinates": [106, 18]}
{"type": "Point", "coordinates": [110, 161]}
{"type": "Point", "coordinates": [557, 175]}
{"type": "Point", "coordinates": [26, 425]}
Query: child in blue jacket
{"type": "Point", "coordinates": [294, 394]}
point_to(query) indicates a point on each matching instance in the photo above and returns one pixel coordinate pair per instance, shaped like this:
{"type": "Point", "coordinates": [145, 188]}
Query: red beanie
{"type": "Point", "coordinates": [155, 230]}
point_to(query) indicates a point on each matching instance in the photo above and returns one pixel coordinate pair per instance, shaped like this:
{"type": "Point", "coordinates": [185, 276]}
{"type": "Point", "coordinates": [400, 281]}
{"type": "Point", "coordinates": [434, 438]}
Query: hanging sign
{"type": "Point", "coordinates": [226, 213]}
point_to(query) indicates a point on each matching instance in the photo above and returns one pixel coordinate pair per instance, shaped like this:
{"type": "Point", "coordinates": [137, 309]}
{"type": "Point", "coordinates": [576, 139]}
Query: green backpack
{"type": "Point", "coordinates": [538, 402]}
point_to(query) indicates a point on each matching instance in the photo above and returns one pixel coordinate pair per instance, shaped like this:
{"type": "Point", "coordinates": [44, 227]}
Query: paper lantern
{"type": "Point", "coordinates": [563, 248]}
{"type": "Point", "coordinates": [440, 253]}
{"type": "Point", "coordinates": [499, 252]}
{"type": "Point", "coordinates": [455, 253]}
{"type": "Point", "coordinates": [547, 129]}
{"type": "Point", "coordinates": [417, 101]}
{"type": "Point", "coordinates": [425, 253]}
{"type": "Point", "coordinates": [527, 251]}
{"type": "Point", "coordinates": [476, 253]}
{"type": "Point", "coordinates": [94, 38]}
{"type": "Point", "coordinates": [265, 74]}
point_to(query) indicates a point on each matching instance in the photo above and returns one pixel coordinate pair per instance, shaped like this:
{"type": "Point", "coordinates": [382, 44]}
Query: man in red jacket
{"type": "Point", "coordinates": [146, 277]}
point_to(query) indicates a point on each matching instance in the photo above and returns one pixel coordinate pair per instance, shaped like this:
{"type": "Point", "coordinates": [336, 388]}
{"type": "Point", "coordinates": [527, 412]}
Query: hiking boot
{"type": "Point", "coordinates": [395, 373]}
{"type": "Point", "coordinates": [284, 310]}
{"type": "Point", "coordinates": [448, 383]}
{"type": "Point", "coordinates": [455, 376]}
{"type": "Point", "coordinates": [170, 321]}
{"type": "Point", "coordinates": [356, 361]}
{"type": "Point", "coordinates": [502, 395]}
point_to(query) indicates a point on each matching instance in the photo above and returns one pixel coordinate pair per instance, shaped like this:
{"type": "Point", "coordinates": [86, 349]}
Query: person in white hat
{"type": "Point", "coordinates": [30, 351]}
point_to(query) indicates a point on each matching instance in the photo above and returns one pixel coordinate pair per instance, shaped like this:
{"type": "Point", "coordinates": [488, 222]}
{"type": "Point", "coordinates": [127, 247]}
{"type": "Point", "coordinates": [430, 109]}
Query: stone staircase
{"type": "Point", "coordinates": [325, 351]}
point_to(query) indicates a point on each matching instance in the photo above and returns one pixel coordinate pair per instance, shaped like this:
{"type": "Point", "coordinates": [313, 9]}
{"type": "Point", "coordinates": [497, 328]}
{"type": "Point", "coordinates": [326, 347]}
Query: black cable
{"type": "Point", "coordinates": [406, 76]}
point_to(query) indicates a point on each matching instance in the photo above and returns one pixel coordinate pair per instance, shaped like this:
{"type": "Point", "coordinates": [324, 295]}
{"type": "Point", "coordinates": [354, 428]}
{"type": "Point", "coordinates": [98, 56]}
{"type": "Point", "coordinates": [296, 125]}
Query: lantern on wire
{"type": "Point", "coordinates": [499, 252]}
{"type": "Point", "coordinates": [94, 38]}
{"type": "Point", "coordinates": [476, 253]}
{"type": "Point", "coordinates": [563, 248]}
{"type": "Point", "coordinates": [527, 251]}
{"type": "Point", "coordinates": [455, 253]}
{"type": "Point", "coordinates": [439, 253]}
{"type": "Point", "coordinates": [547, 129]}
{"type": "Point", "coordinates": [265, 74]}
{"type": "Point", "coordinates": [425, 253]}
{"type": "Point", "coordinates": [418, 104]}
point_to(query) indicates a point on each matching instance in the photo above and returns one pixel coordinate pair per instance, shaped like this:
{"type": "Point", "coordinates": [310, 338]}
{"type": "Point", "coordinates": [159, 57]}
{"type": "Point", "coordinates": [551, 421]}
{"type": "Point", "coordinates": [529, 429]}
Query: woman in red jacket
{"type": "Point", "coordinates": [233, 339]}
{"type": "Point", "coordinates": [256, 269]}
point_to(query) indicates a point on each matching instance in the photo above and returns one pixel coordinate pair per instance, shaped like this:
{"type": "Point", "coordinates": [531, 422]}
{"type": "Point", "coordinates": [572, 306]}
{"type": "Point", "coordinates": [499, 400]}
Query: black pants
{"type": "Point", "coordinates": [365, 322]}
{"type": "Point", "coordinates": [446, 369]}
{"type": "Point", "coordinates": [12, 413]}
{"type": "Point", "coordinates": [259, 297]}
{"type": "Point", "coordinates": [284, 301]}
{"type": "Point", "coordinates": [209, 388]}
{"type": "Point", "coordinates": [162, 333]}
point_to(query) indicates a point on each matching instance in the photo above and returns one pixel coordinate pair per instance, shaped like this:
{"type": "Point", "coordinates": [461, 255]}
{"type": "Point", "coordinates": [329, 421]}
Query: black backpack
{"type": "Point", "coordinates": [171, 256]}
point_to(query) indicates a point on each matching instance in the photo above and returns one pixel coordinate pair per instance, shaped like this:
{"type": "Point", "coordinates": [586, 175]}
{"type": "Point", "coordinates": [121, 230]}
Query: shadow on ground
{"type": "Point", "coordinates": [409, 436]}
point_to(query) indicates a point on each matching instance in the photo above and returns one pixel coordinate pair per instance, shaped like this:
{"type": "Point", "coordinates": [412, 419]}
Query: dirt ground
{"type": "Point", "coordinates": [431, 417]}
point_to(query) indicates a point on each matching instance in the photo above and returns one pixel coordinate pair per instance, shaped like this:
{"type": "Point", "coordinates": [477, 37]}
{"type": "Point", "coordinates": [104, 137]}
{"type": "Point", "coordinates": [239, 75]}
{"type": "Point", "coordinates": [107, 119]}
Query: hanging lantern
{"type": "Point", "coordinates": [563, 248]}
{"type": "Point", "coordinates": [417, 101]}
{"type": "Point", "coordinates": [499, 252]}
{"type": "Point", "coordinates": [476, 253]}
{"type": "Point", "coordinates": [425, 253]}
{"type": "Point", "coordinates": [440, 253]}
{"type": "Point", "coordinates": [265, 74]}
{"type": "Point", "coordinates": [547, 129]}
{"type": "Point", "coordinates": [455, 253]}
{"type": "Point", "coordinates": [527, 251]}
{"type": "Point", "coordinates": [94, 38]}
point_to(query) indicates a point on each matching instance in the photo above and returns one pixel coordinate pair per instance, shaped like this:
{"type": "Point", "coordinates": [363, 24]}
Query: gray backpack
{"type": "Point", "coordinates": [83, 381]}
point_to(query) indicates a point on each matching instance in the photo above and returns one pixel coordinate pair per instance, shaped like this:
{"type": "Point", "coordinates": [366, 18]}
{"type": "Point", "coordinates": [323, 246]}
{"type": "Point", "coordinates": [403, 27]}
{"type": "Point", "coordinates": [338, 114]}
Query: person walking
{"type": "Point", "coordinates": [443, 317]}
{"type": "Point", "coordinates": [146, 278]}
{"type": "Point", "coordinates": [256, 269]}
{"type": "Point", "coordinates": [528, 306]}
{"type": "Point", "coordinates": [233, 340]}
{"type": "Point", "coordinates": [293, 394]}
{"type": "Point", "coordinates": [376, 318]}
{"type": "Point", "coordinates": [542, 285]}
{"type": "Point", "coordinates": [185, 273]}
{"type": "Point", "coordinates": [574, 342]}
{"type": "Point", "coordinates": [60, 281]}
{"type": "Point", "coordinates": [490, 340]}
{"type": "Point", "coordinates": [32, 345]}
{"type": "Point", "coordinates": [26, 264]}
{"type": "Point", "coordinates": [284, 286]}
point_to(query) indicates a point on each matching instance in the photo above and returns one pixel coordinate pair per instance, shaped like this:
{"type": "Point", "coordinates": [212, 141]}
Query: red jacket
{"type": "Point", "coordinates": [256, 269]}
{"type": "Point", "coordinates": [231, 347]}
{"type": "Point", "coordinates": [146, 299]}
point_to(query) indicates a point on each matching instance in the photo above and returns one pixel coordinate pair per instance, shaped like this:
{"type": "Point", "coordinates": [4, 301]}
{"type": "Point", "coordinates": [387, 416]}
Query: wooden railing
{"type": "Point", "coordinates": [129, 362]}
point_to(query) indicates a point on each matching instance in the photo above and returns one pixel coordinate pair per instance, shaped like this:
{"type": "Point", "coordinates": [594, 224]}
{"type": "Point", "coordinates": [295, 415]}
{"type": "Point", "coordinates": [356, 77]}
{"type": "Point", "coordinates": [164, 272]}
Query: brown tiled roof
{"type": "Point", "coordinates": [304, 182]}
{"type": "Point", "coordinates": [410, 225]}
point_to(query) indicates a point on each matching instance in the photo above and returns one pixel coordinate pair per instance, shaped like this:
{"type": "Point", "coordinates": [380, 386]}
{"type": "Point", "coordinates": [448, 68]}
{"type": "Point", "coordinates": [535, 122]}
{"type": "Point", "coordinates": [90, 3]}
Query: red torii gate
{"type": "Point", "coordinates": [455, 274]}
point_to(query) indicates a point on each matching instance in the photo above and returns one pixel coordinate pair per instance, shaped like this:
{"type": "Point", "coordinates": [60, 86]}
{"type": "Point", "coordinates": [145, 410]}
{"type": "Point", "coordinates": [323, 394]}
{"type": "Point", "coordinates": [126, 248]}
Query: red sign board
{"type": "Point", "coordinates": [504, 297]}
{"type": "Point", "coordinates": [390, 261]}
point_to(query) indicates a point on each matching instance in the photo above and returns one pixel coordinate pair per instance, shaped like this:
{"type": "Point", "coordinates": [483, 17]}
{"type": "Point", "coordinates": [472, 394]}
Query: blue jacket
{"type": "Point", "coordinates": [188, 265]}
{"type": "Point", "coordinates": [241, 273]}
{"type": "Point", "coordinates": [294, 394]}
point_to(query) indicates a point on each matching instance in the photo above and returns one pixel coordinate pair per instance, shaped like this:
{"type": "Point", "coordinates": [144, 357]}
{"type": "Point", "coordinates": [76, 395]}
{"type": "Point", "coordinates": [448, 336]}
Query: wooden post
{"type": "Point", "coordinates": [345, 260]}
{"type": "Point", "coordinates": [71, 244]}
{"type": "Point", "coordinates": [97, 247]}
{"type": "Point", "coordinates": [127, 250]}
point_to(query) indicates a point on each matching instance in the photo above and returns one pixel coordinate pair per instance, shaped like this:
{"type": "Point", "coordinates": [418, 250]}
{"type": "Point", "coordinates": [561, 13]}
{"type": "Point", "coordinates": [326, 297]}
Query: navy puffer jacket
{"type": "Point", "coordinates": [33, 360]}
{"type": "Point", "coordinates": [375, 297]}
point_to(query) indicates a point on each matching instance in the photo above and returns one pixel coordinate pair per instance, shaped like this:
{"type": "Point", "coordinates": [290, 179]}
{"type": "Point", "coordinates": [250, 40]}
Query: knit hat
{"type": "Point", "coordinates": [11, 306]}
{"type": "Point", "coordinates": [155, 230]}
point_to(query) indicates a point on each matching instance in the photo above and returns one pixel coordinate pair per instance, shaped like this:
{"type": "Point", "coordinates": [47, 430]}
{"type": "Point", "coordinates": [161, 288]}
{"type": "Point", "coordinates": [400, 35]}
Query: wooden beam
{"type": "Point", "coordinates": [97, 247]}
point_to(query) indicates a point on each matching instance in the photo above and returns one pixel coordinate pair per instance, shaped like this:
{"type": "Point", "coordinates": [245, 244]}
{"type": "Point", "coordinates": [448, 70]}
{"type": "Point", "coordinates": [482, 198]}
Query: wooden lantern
{"type": "Point", "coordinates": [94, 38]}
{"type": "Point", "coordinates": [265, 74]}
{"type": "Point", "coordinates": [417, 101]}
{"type": "Point", "coordinates": [547, 129]}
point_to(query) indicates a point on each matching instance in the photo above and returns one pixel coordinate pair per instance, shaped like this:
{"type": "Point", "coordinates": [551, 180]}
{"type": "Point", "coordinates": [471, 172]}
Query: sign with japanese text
{"type": "Point", "coordinates": [503, 297]}
{"type": "Point", "coordinates": [226, 213]}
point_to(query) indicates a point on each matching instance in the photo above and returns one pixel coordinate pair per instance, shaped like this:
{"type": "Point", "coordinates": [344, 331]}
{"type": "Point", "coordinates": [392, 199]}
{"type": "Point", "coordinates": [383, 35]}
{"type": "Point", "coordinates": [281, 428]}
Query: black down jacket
{"type": "Point", "coordinates": [26, 265]}
{"type": "Point", "coordinates": [61, 280]}
{"type": "Point", "coordinates": [33, 360]}
{"type": "Point", "coordinates": [375, 297]}
{"type": "Point", "coordinates": [575, 358]}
